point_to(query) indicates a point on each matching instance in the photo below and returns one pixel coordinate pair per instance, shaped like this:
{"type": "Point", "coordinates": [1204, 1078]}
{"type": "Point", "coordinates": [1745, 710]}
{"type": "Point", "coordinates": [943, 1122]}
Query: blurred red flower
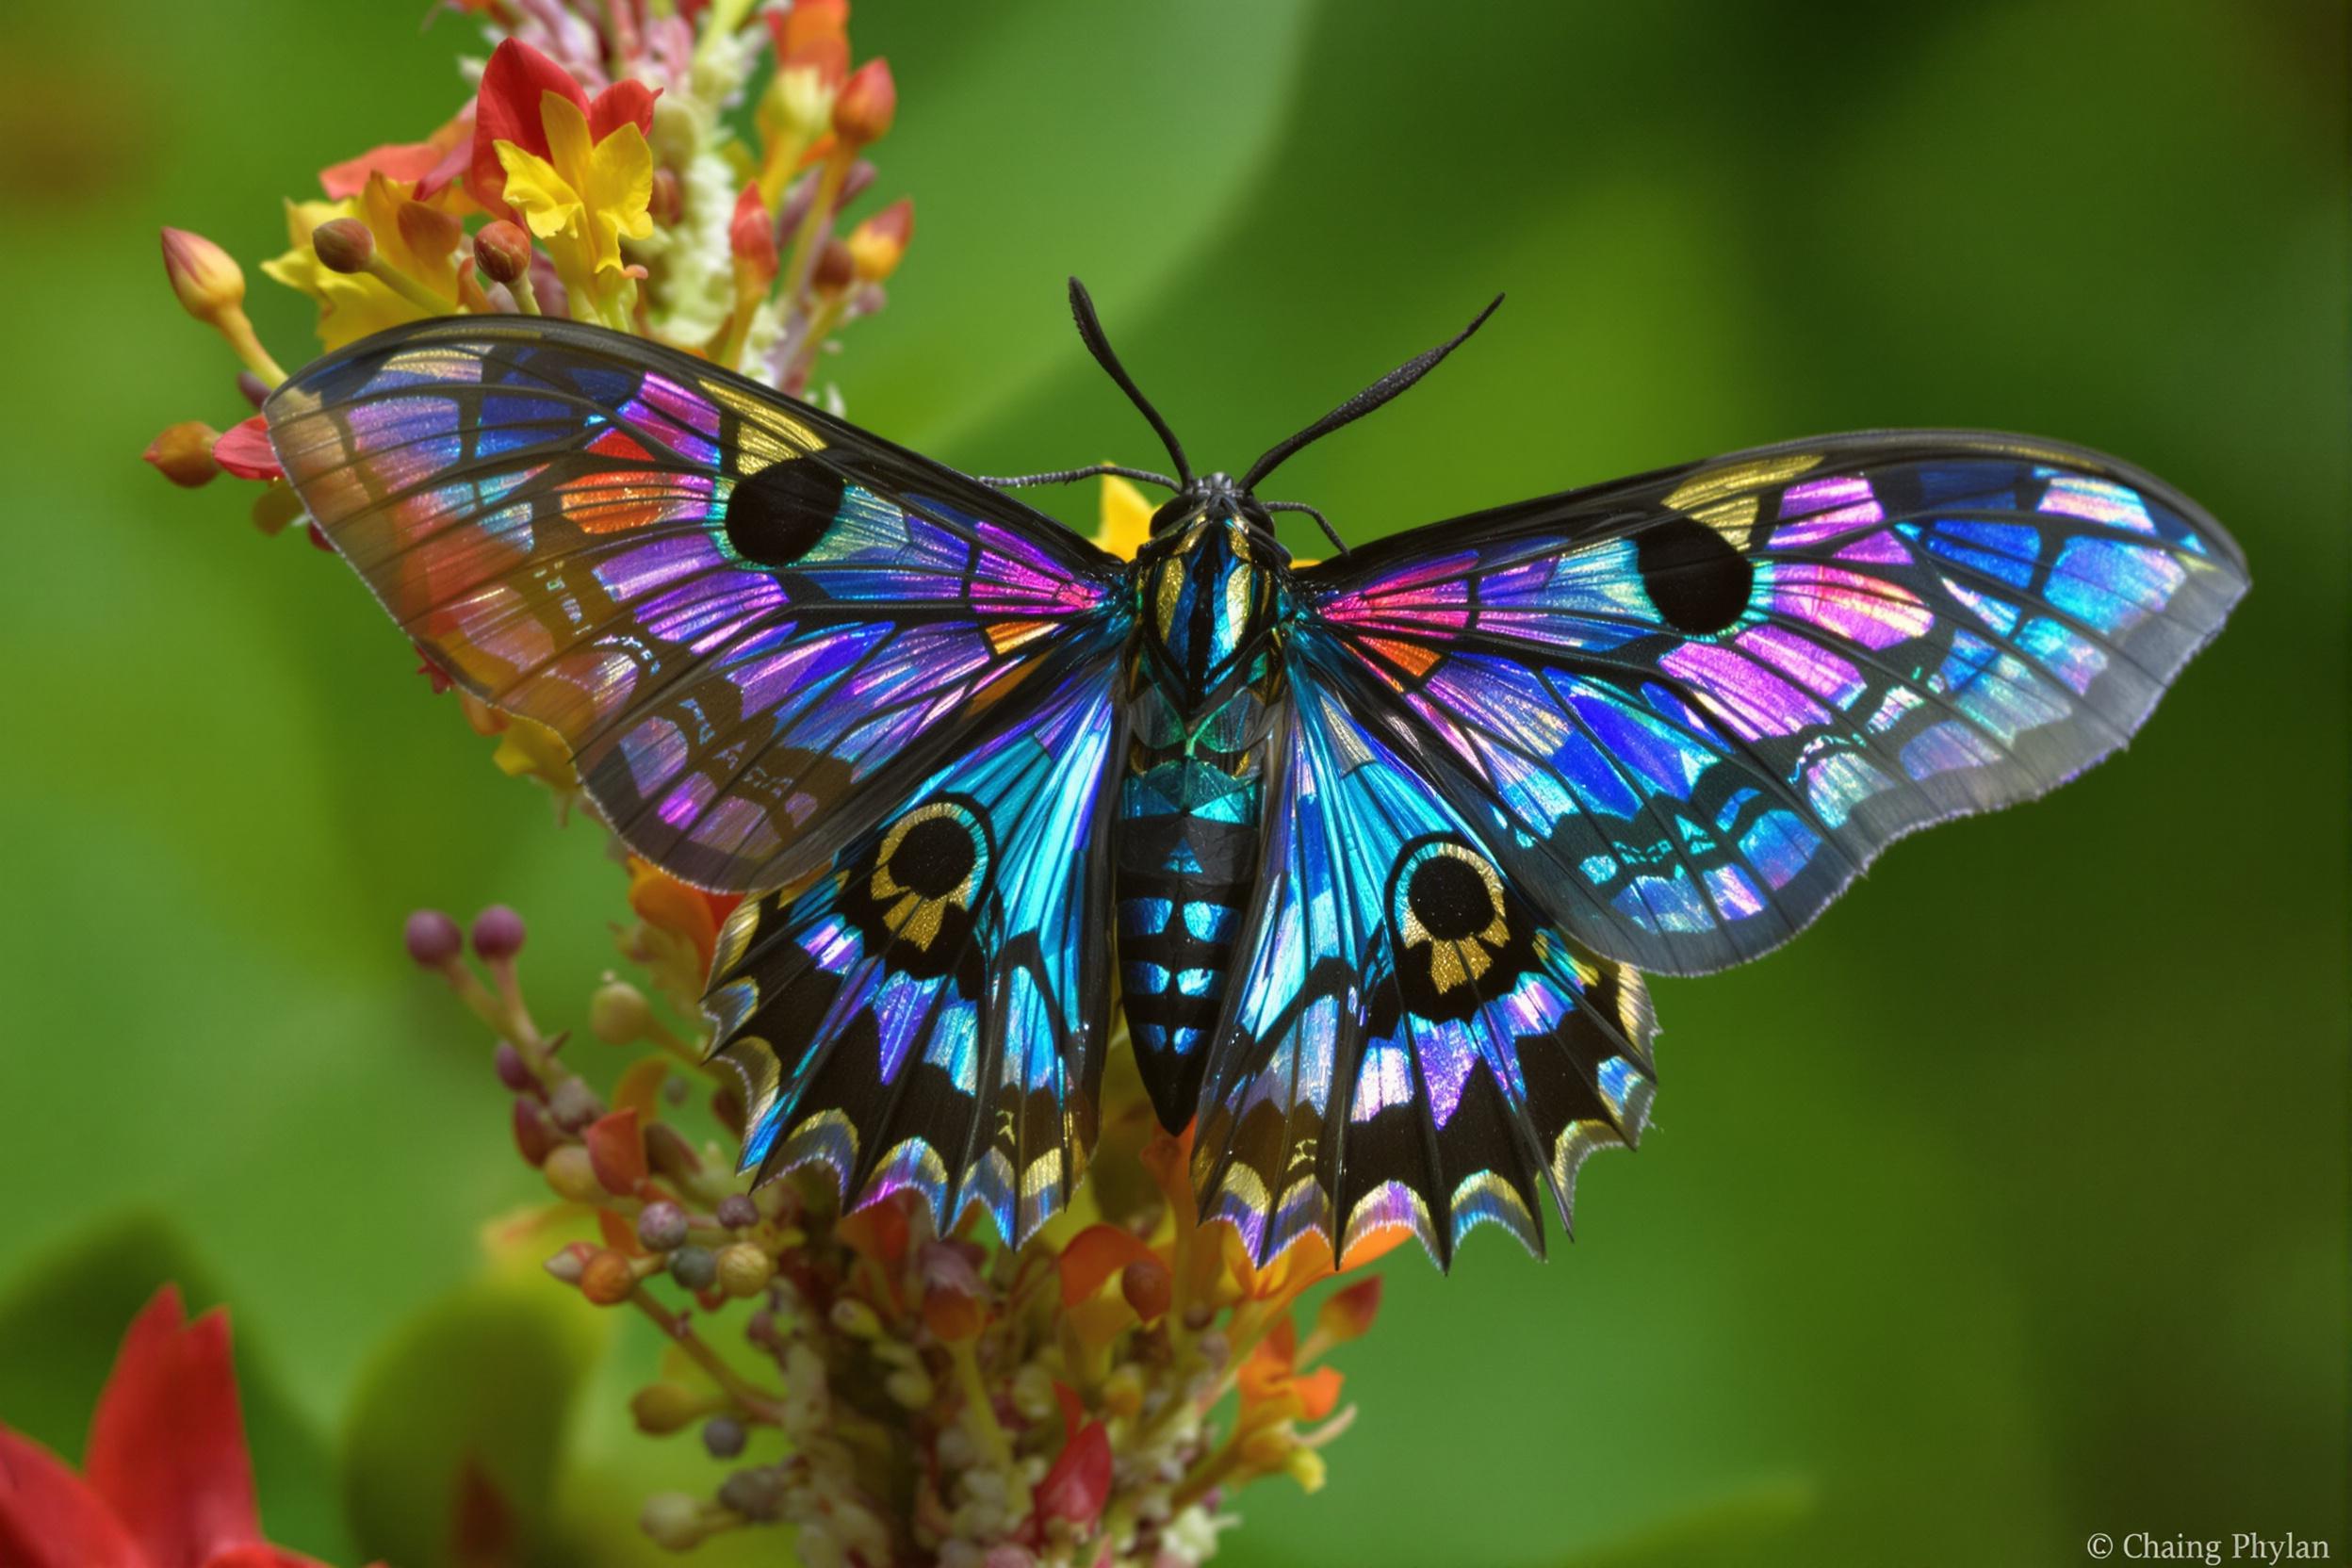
{"type": "Point", "coordinates": [166, 1481]}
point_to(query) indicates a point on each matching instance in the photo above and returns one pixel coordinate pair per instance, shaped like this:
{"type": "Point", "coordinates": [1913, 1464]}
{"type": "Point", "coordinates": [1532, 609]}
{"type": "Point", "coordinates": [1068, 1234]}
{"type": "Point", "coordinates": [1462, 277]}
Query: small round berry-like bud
{"type": "Point", "coordinates": [867, 105]}
{"type": "Point", "coordinates": [573, 1175]}
{"type": "Point", "coordinates": [502, 251]}
{"type": "Point", "coordinates": [574, 1105]}
{"type": "Point", "coordinates": [667, 201]}
{"type": "Point", "coordinates": [569, 1263]}
{"type": "Point", "coordinates": [662, 1227]}
{"type": "Point", "coordinates": [512, 1071]}
{"type": "Point", "coordinates": [836, 269]}
{"type": "Point", "coordinates": [607, 1278]}
{"type": "Point", "coordinates": [1148, 1286]}
{"type": "Point", "coordinates": [745, 1270]}
{"type": "Point", "coordinates": [672, 1521]}
{"type": "Point", "coordinates": [343, 245]}
{"type": "Point", "coordinates": [723, 1436]}
{"type": "Point", "coordinates": [911, 1386]}
{"type": "Point", "coordinates": [499, 933]}
{"type": "Point", "coordinates": [661, 1407]}
{"type": "Point", "coordinates": [207, 282]}
{"type": "Point", "coordinates": [855, 1318]}
{"type": "Point", "coordinates": [757, 1495]}
{"type": "Point", "coordinates": [618, 1013]}
{"type": "Point", "coordinates": [737, 1212]}
{"type": "Point", "coordinates": [694, 1267]}
{"type": "Point", "coordinates": [182, 453]}
{"type": "Point", "coordinates": [433, 938]}
{"type": "Point", "coordinates": [534, 1135]}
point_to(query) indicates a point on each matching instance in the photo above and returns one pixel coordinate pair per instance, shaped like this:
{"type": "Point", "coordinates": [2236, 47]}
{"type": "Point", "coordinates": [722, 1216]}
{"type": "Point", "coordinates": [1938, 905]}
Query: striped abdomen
{"type": "Point", "coordinates": [1205, 678]}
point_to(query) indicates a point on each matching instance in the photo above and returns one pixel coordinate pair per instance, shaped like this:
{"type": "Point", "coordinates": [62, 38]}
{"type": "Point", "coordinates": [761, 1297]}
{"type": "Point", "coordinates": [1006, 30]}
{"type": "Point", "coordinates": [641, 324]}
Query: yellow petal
{"type": "Point", "coordinates": [535, 189]}
{"type": "Point", "coordinates": [1126, 518]}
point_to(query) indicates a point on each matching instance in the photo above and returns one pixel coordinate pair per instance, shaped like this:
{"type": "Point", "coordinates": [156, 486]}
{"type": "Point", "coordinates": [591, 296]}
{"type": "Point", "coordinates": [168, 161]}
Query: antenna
{"type": "Point", "coordinates": [1090, 329]}
{"type": "Point", "coordinates": [1362, 403]}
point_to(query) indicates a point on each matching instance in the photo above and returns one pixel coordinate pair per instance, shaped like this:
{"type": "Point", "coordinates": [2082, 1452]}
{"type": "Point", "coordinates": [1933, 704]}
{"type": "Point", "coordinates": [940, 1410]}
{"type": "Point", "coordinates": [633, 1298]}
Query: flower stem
{"type": "Point", "coordinates": [767, 1408]}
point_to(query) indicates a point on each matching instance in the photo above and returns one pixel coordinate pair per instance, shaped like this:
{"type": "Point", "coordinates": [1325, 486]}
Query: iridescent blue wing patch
{"type": "Point", "coordinates": [756, 627]}
{"type": "Point", "coordinates": [1688, 709]}
{"type": "Point", "coordinates": [1411, 1044]}
{"type": "Point", "coordinates": [930, 1014]}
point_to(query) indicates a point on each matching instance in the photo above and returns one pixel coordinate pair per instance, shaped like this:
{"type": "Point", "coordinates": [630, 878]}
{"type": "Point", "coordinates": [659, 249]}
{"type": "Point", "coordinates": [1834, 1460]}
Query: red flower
{"type": "Point", "coordinates": [513, 84]}
{"type": "Point", "coordinates": [244, 450]}
{"type": "Point", "coordinates": [430, 164]}
{"type": "Point", "coordinates": [166, 1481]}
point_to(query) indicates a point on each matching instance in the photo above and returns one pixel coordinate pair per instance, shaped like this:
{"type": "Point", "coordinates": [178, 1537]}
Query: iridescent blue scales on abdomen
{"type": "Point", "coordinates": [1205, 676]}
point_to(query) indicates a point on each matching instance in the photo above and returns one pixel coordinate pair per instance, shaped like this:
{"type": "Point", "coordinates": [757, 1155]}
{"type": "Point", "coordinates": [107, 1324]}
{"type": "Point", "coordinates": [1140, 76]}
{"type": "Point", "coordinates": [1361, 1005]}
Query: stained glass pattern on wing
{"type": "Point", "coordinates": [753, 625]}
{"type": "Point", "coordinates": [1688, 708]}
{"type": "Point", "coordinates": [1412, 1045]}
{"type": "Point", "coordinates": [930, 1014]}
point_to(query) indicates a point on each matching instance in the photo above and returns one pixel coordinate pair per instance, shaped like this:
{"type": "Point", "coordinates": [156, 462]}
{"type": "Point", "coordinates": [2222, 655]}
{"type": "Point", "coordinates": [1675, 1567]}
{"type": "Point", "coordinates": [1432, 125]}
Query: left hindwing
{"type": "Point", "coordinates": [1688, 709]}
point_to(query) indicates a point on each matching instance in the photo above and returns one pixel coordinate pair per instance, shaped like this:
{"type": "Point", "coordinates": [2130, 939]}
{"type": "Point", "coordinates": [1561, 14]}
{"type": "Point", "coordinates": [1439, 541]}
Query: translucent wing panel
{"type": "Point", "coordinates": [930, 1014]}
{"type": "Point", "coordinates": [1689, 708]}
{"type": "Point", "coordinates": [1411, 1044]}
{"type": "Point", "coordinates": [752, 624]}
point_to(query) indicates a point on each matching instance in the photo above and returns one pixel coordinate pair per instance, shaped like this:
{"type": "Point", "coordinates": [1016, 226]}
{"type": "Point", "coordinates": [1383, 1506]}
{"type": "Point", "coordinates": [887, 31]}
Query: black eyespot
{"type": "Point", "coordinates": [1450, 898]}
{"type": "Point", "coordinates": [778, 514]}
{"type": "Point", "coordinates": [934, 858]}
{"type": "Point", "coordinates": [1699, 583]}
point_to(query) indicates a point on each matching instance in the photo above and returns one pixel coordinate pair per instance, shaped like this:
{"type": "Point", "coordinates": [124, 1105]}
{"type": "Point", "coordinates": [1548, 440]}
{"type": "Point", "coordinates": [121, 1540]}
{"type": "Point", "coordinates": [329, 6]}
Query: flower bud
{"type": "Point", "coordinates": [867, 105]}
{"type": "Point", "coordinates": [855, 1318]}
{"type": "Point", "coordinates": [661, 1227]}
{"type": "Point", "coordinates": [757, 1495]}
{"type": "Point", "coordinates": [535, 1136]}
{"type": "Point", "coordinates": [693, 1268]}
{"type": "Point", "coordinates": [836, 269]}
{"type": "Point", "coordinates": [911, 1386]}
{"type": "Point", "coordinates": [343, 245]}
{"type": "Point", "coordinates": [570, 1262]}
{"type": "Point", "coordinates": [572, 1175]}
{"type": "Point", "coordinates": [668, 203]}
{"type": "Point", "coordinates": [876, 245]}
{"type": "Point", "coordinates": [512, 1071]}
{"type": "Point", "coordinates": [737, 1212]}
{"type": "Point", "coordinates": [433, 938]}
{"type": "Point", "coordinates": [182, 453]}
{"type": "Point", "coordinates": [574, 1105]}
{"type": "Point", "coordinates": [1148, 1286]}
{"type": "Point", "coordinates": [1348, 1315]}
{"type": "Point", "coordinates": [663, 1408]}
{"type": "Point", "coordinates": [607, 1278]}
{"type": "Point", "coordinates": [429, 232]}
{"type": "Point", "coordinates": [745, 1270]}
{"type": "Point", "coordinates": [616, 1151]}
{"type": "Point", "coordinates": [207, 282]}
{"type": "Point", "coordinates": [672, 1521]}
{"type": "Point", "coordinates": [499, 933]}
{"type": "Point", "coordinates": [813, 34]}
{"type": "Point", "coordinates": [723, 1437]}
{"type": "Point", "coordinates": [502, 251]}
{"type": "Point", "coordinates": [751, 236]}
{"type": "Point", "coordinates": [620, 1014]}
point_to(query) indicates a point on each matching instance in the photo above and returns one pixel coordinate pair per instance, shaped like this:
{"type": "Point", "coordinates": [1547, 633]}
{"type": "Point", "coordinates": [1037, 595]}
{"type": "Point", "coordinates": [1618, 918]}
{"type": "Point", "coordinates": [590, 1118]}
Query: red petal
{"type": "Point", "coordinates": [1080, 1482]}
{"type": "Point", "coordinates": [1318, 1392]}
{"type": "Point", "coordinates": [616, 1151]}
{"type": "Point", "coordinates": [244, 449]}
{"type": "Point", "coordinates": [507, 109]}
{"type": "Point", "coordinates": [167, 1446]}
{"type": "Point", "coordinates": [50, 1518]}
{"type": "Point", "coordinates": [428, 165]}
{"type": "Point", "coordinates": [624, 102]}
{"type": "Point", "coordinates": [259, 1556]}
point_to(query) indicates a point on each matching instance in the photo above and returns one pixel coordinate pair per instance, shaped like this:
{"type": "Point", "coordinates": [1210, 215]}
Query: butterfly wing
{"type": "Point", "coordinates": [756, 627]}
{"type": "Point", "coordinates": [1688, 709]}
{"type": "Point", "coordinates": [929, 1014]}
{"type": "Point", "coordinates": [1412, 1043]}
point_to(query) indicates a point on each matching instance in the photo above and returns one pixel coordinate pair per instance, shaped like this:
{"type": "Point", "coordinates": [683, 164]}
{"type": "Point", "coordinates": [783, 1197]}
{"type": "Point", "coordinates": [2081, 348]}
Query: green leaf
{"type": "Point", "coordinates": [456, 1434]}
{"type": "Point", "coordinates": [62, 1320]}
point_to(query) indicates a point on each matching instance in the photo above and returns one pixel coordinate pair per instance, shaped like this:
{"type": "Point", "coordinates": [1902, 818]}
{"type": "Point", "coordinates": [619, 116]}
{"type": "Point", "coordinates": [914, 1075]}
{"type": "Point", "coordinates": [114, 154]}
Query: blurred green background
{"type": "Point", "coordinates": [2007, 1207]}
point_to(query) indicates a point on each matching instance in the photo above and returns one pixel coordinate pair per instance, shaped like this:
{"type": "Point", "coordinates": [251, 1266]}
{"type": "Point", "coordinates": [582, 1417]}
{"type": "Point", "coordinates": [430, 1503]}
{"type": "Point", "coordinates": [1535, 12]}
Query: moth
{"type": "Point", "coordinates": [1371, 852]}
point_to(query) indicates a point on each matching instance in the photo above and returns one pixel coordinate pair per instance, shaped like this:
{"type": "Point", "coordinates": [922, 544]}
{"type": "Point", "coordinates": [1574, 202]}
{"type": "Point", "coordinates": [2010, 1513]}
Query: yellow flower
{"type": "Point", "coordinates": [353, 304]}
{"type": "Point", "coordinates": [585, 198]}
